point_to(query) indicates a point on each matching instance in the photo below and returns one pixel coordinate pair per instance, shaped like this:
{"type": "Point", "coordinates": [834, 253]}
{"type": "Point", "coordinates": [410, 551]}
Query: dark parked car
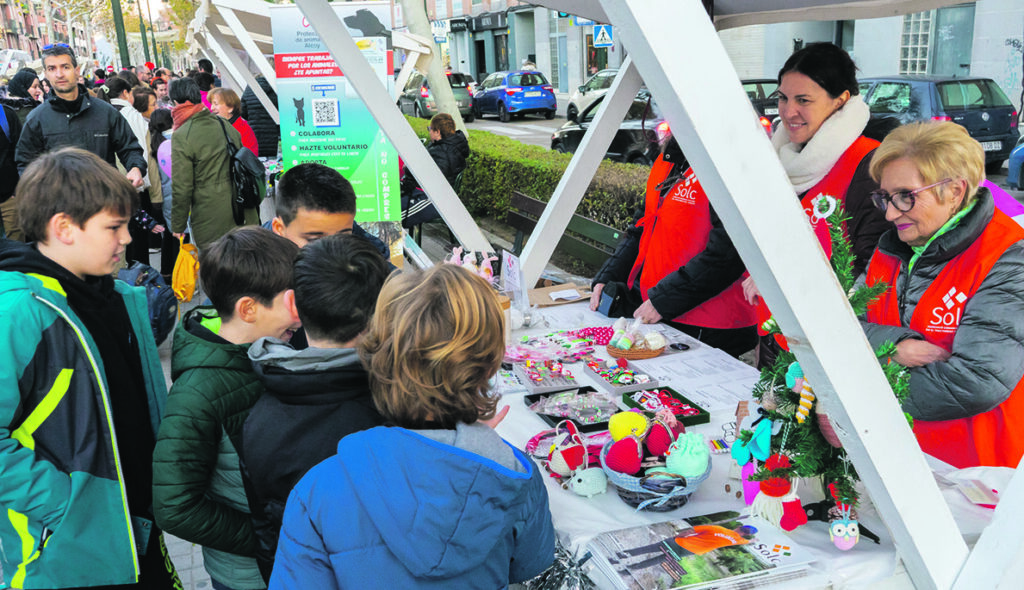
{"type": "Point", "coordinates": [762, 94]}
{"type": "Point", "coordinates": [517, 93]}
{"type": "Point", "coordinates": [976, 103]}
{"type": "Point", "coordinates": [638, 136]}
{"type": "Point", "coordinates": [417, 100]}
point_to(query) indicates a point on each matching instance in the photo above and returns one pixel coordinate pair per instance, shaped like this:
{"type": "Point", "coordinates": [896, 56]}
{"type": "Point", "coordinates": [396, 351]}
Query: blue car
{"type": "Point", "coordinates": [1015, 177]}
{"type": "Point", "coordinates": [515, 93]}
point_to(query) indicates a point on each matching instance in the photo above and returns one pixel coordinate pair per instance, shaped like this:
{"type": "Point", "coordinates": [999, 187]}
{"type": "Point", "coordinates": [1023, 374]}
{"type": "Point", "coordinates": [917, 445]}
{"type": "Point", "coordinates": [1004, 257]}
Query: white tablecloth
{"type": "Point", "coordinates": [711, 375]}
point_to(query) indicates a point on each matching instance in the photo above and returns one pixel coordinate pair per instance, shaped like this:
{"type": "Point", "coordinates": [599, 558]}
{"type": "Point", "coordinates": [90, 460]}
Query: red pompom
{"type": "Point", "coordinates": [777, 461]}
{"type": "Point", "coordinates": [625, 455]}
{"type": "Point", "coordinates": [659, 439]}
{"type": "Point", "coordinates": [775, 487]}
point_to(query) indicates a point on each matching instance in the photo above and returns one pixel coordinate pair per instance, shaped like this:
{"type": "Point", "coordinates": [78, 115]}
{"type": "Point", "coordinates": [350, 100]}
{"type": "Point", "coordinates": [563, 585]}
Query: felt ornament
{"type": "Point", "coordinates": [844, 533]}
{"type": "Point", "coordinates": [793, 514]}
{"type": "Point", "coordinates": [589, 482]}
{"type": "Point", "coordinates": [688, 456]}
{"type": "Point", "coordinates": [759, 445]}
{"type": "Point", "coordinates": [659, 438]}
{"type": "Point", "coordinates": [568, 457]}
{"type": "Point", "coordinates": [768, 503]}
{"type": "Point", "coordinates": [626, 424]}
{"type": "Point", "coordinates": [796, 381]}
{"type": "Point", "coordinates": [625, 455]}
{"type": "Point", "coordinates": [750, 488]}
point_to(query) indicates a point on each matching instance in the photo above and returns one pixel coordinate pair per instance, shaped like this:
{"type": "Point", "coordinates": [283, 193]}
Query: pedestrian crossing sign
{"type": "Point", "coordinates": [603, 36]}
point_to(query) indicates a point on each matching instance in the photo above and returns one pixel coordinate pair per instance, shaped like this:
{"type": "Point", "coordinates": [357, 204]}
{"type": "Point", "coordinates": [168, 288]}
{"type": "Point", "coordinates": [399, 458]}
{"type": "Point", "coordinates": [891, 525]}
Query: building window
{"type": "Point", "coordinates": [915, 41]}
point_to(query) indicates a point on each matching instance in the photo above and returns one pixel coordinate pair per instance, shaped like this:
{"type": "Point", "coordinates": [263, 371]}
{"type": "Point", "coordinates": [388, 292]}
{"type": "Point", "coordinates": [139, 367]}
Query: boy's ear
{"type": "Point", "coordinates": [246, 309]}
{"type": "Point", "coordinates": [289, 302]}
{"type": "Point", "coordinates": [60, 227]}
{"type": "Point", "coordinates": [277, 225]}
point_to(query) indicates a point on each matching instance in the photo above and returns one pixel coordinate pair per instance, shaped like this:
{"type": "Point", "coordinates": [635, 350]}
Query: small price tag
{"type": "Point", "coordinates": [978, 493]}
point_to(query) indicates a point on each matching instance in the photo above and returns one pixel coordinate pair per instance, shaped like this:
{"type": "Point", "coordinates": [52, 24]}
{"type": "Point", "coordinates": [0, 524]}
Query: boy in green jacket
{"type": "Point", "coordinates": [197, 486]}
{"type": "Point", "coordinates": [81, 389]}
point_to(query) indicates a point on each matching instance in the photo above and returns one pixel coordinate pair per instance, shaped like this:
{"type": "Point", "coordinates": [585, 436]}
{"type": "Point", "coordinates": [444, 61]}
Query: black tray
{"type": "Point", "coordinates": [553, 421]}
{"type": "Point", "coordinates": [703, 417]}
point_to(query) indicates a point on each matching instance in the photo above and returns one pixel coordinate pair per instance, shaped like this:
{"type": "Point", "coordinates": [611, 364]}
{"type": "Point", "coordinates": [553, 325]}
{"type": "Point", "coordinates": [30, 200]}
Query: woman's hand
{"type": "Point", "coordinates": [918, 353]}
{"type": "Point", "coordinates": [750, 292]}
{"type": "Point", "coordinates": [595, 296]}
{"type": "Point", "coordinates": [647, 314]}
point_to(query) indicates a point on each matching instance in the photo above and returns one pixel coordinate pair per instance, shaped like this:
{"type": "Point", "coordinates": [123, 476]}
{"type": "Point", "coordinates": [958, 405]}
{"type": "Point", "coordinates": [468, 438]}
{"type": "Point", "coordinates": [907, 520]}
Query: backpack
{"type": "Point", "coordinates": [163, 306]}
{"type": "Point", "coordinates": [248, 178]}
{"type": "Point", "coordinates": [186, 271]}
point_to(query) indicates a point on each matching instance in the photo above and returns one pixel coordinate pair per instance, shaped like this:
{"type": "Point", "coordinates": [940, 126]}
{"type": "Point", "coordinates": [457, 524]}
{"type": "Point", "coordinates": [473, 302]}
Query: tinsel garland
{"type": "Point", "coordinates": [811, 456]}
{"type": "Point", "coordinates": [566, 573]}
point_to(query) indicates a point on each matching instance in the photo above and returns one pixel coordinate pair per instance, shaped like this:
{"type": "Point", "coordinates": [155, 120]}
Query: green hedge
{"type": "Point", "coordinates": [497, 165]}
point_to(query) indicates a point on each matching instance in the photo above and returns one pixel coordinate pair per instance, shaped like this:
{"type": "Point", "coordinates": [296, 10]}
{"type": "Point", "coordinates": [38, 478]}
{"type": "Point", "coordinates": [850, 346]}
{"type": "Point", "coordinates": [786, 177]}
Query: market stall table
{"type": "Point", "coordinates": [716, 381]}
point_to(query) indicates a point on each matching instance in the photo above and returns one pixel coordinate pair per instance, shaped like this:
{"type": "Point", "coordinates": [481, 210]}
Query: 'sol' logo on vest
{"type": "Point", "coordinates": [946, 317]}
{"type": "Point", "coordinates": [684, 191]}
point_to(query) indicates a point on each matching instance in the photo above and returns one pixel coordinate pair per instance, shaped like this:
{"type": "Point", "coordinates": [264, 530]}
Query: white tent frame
{"type": "Point", "coordinates": [752, 195]}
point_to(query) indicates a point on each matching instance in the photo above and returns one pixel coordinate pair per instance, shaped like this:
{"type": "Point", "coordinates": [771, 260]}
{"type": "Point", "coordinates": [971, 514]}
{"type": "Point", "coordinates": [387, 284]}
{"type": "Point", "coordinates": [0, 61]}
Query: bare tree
{"type": "Point", "coordinates": [416, 16]}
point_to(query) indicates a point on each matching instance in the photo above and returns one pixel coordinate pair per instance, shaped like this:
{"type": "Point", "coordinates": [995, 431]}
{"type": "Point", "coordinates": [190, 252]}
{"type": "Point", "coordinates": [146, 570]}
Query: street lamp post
{"type": "Point", "coordinates": [142, 31]}
{"type": "Point", "coordinates": [122, 41]}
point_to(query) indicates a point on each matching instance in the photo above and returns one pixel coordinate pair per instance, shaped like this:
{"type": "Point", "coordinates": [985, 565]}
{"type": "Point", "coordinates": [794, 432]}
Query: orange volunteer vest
{"type": "Point", "coordinates": [676, 228]}
{"type": "Point", "coordinates": [835, 184]}
{"type": "Point", "coordinates": [996, 437]}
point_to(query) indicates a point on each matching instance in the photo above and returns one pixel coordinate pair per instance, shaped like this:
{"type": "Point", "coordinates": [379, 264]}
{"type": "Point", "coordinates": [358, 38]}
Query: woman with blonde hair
{"type": "Point", "coordinates": [437, 499]}
{"type": "Point", "coordinates": [954, 308]}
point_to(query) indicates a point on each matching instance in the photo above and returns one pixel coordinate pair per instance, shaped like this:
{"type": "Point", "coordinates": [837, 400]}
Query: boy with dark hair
{"type": "Point", "coordinates": [81, 388]}
{"type": "Point", "coordinates": [197, 489]}
{"type": "Point", "coordinates": [314, 201]}
{"type": "Point", "coordinates": [317, 395]}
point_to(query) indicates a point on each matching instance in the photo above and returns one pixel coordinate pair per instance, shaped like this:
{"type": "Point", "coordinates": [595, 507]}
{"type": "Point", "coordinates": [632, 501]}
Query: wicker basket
{"type": "Point", "coordinates": [633, 493]}
{"type": "Point", "coordinates": [633, 354]}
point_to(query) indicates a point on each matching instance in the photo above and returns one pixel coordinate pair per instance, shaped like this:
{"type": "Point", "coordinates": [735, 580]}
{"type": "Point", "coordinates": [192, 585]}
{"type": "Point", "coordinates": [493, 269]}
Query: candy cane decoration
{"type": "Point", "coordinates": [806, 400]}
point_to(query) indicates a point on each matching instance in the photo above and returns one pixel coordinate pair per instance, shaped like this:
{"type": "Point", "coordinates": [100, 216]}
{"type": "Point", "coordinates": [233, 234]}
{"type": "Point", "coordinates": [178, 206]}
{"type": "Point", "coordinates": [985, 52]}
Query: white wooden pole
{"type": "Point", "coordinates": [1001, 544]}
{"type": "Point", "coordinates": [362, 78]}
{"type": "Point", "coordinates": [577, 177]}
{"type": "Point", "coordinates": [683, 62]}
{"type": "Point", "coordinates": [222, 54]}
{"type": "Point", "coordinates": [255, 53]}
{"type": "Point", "coordinates": [244, 74]}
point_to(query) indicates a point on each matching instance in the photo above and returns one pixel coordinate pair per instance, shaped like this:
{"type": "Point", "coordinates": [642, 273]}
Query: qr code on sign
{"type": "Point", "coordinates": [326, 112]}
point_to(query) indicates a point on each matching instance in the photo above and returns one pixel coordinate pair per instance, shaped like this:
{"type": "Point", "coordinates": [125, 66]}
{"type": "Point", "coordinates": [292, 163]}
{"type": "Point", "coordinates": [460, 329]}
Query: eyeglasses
{"type": "Point", "coordinates": [902, 200]}
{"type": "Point", "coordinates": [52, 45]}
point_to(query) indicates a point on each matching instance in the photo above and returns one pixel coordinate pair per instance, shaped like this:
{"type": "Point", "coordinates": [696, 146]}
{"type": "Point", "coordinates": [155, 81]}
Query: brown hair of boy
{"type": "Point", "coordinates": [246, 262]}
{"type": "Point", "coordinates": [71, 181]}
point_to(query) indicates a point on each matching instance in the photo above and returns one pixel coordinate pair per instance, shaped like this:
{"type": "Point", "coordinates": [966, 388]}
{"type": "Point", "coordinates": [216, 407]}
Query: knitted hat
{"type": "Point", "coordinates": [19, 84]}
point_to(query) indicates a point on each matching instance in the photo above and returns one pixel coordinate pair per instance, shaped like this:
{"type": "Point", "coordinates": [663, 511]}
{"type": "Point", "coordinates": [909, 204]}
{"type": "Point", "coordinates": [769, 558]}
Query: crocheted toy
{"type": "Point", "coordinates": [688, 456]}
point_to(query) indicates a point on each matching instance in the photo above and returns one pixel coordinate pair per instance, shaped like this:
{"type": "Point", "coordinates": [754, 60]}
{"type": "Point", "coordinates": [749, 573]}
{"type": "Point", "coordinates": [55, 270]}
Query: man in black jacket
{"type": "Point", "coordinates": [72, 118]}
{"type": "Point", "coordinates": [8, 172]}
{"type": "Point", "coordinates": [449, 149]}
{"type": "Point", "coordinates": [316, 395]}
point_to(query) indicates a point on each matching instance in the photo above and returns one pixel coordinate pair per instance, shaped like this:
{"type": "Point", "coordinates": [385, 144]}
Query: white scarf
{"type": "Point", "coordinates": [808, 164]}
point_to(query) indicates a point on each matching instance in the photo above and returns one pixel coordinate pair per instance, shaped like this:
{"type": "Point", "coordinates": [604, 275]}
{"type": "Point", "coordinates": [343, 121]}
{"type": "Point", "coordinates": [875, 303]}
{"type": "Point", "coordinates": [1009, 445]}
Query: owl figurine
{"type": "Point", "coordinates": [844, 533]}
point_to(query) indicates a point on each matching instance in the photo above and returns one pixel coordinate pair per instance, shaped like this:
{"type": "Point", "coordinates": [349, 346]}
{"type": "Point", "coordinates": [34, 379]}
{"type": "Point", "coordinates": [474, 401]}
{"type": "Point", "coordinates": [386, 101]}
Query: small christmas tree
{"type": "Point", "coordinates": [806, 445]}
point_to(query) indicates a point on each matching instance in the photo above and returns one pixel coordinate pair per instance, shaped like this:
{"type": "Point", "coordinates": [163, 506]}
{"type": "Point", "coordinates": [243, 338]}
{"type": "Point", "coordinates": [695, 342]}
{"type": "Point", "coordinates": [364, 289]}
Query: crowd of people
{"type": "Point", "coordinates": [330, 422]}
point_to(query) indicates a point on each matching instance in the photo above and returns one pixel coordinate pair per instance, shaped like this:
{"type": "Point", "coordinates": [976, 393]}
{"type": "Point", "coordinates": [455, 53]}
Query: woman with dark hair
{"type": "Point", "coordinates": [24, 93]}
{"type": "Point", "coordinates": [129, 77]}
{"type": "Point", "coordinates": [160, 123]}
{"type": "Point", "coordinates": [821, 144]}
{"type": "Point", "coordinates": [200, 179]}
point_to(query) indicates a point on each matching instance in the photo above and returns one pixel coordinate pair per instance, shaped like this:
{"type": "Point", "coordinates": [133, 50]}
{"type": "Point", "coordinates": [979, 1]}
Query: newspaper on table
{"type": "Point", "coordinates": [720, 550]}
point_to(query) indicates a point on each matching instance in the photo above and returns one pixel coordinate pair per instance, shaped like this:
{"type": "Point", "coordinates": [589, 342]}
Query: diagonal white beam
{"type": "Point", "coordinates": [574, 182]}
{"type": "Point", "coordinates": [684, 64]}
{"type": "Point", "coordinates": [360, 75]}
{"type": "Point", "coordinates": [222, 54]}
{"type": "Point", "coordinates": [243, 36]}
{"type": "Point", "coordinates": [1000, 545]}
{"type": "Point", "coordinates": [227, 55]}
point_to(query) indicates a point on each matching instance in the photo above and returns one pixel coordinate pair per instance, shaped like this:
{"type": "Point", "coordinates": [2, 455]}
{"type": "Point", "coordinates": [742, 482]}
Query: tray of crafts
{"type": "Point", "coordinates": [654, 399]}
{"type": "Point", "coordinates": [613, 377]}
{"type": "Point", "coordinates": [589, 408]}
{"type": "Point", "coordinates": [544, 376]}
